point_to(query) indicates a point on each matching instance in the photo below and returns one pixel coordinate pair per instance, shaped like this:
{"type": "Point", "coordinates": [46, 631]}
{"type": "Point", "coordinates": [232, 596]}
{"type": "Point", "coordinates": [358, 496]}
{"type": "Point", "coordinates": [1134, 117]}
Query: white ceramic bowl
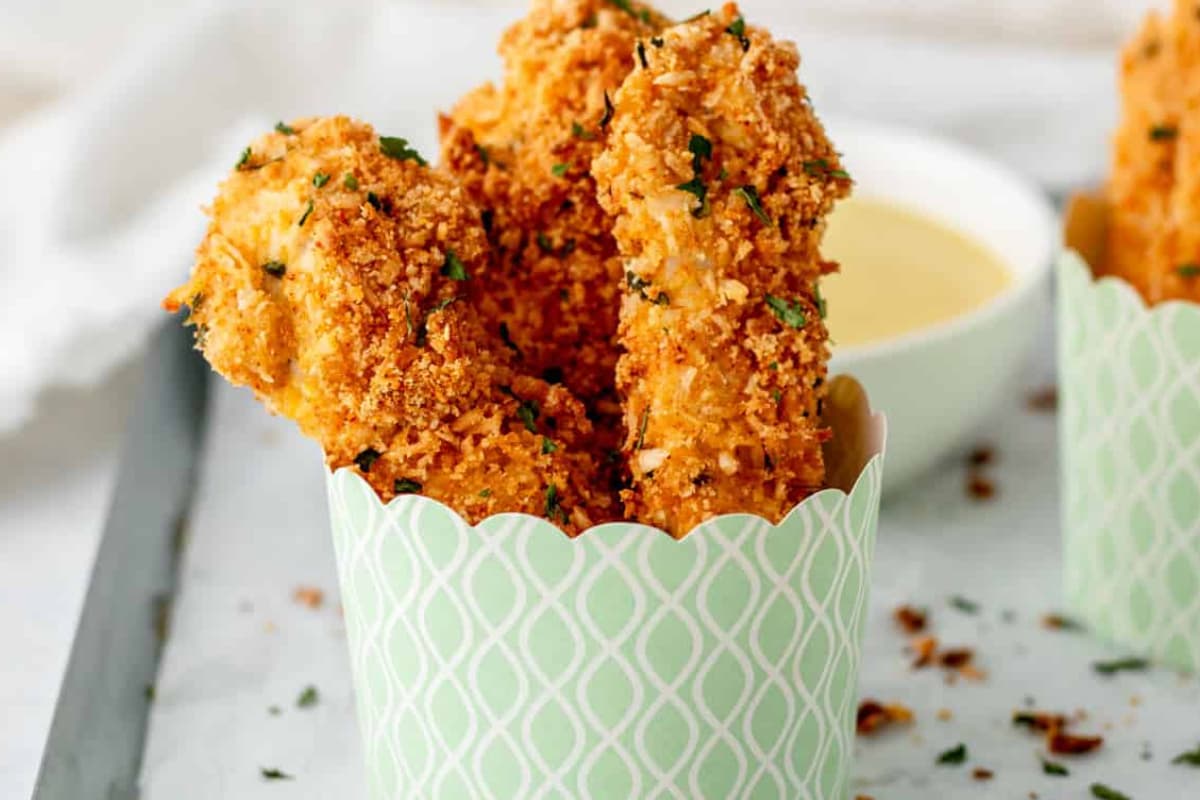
{"type": "Point", "coordinates": [938, 383]}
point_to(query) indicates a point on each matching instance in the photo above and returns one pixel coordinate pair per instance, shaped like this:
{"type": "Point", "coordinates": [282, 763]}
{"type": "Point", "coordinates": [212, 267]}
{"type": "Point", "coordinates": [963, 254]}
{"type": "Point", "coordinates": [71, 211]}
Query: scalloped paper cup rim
{"type": "Point", "coordinates": [1129, 439]}
{"type": "Point", "coordinates": [508, 660]}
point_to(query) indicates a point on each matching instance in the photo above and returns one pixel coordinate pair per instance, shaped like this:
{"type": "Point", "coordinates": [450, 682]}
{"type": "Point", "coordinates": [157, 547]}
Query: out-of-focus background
{"type": "Point", "coordinates": [117, 118]}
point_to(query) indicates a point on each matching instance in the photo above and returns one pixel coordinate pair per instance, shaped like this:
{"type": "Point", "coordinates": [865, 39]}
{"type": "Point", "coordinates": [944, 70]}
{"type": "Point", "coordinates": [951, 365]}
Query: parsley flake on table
{"type": "Point", "coordinates": [453, 267]}
{"type": "Point", "coordinates": [1190, 758]}
{"type": "Point", "coordinates": [276, 269]}
{"type": "Point", "coordinates": [1121, 665]}
{"type": "Point", "coordinates": [1054, 768]}
{"type": "Point", "coordinates": [955, 755]}
{"type": "Point", "coordinates": [367, 458]}
{"type": "Point", "coordinates": [790, 314]}
{"type": "Point", "coordinates": [285, 129]}
{"type": "Point", "coordinates": [406, 486]}
{"type": "Point", "coordinates": [397, 147]}
{"type": "Point", "coordinates": [964, 605]}
{"type": "Point", "coordinates": [308, 698]}
{"type": "Point", "coordinates": [320, 179]}
{"type": "Point", "coordinates": [1103, 792]}
{"type": "Point", "coordinates": [750, 195]}
{"type": "Point", "coordinates": [273, 774]}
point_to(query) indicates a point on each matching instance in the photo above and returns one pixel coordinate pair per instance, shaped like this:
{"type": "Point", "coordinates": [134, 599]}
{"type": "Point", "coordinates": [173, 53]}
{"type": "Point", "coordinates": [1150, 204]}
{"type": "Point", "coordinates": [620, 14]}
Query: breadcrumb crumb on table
{"type": "Point", "coordinates": [331, 281]}
{"type": "Point", "coordinates": [719, 177]}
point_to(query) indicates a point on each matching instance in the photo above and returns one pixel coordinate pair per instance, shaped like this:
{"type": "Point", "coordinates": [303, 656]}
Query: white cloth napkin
{"type": "Point", "coordinates": [102, 191]}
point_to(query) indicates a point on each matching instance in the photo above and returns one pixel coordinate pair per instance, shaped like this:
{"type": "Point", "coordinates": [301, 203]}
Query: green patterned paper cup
{"type": "Point", "coordinates": [504, 660]}
{"type": "Point", "coordinates": [1129, 383]}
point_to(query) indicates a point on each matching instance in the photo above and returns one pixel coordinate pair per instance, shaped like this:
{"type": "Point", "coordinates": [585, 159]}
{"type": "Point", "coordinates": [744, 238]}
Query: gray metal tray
{"type": "Point", "coordinates": [95, 744]}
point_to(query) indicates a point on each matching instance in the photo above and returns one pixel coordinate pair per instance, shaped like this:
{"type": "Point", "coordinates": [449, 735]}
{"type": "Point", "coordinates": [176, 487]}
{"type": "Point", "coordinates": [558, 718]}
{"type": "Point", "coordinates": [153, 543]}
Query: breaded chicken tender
{"type": "Point", "coordinates": [719, 176]}
{"type": "Point", "coordinates": [1153, 236]}
{"type": "Point", "coordinates": [332, 281]}
{"type": "Point", "coordinates": [523, 151]}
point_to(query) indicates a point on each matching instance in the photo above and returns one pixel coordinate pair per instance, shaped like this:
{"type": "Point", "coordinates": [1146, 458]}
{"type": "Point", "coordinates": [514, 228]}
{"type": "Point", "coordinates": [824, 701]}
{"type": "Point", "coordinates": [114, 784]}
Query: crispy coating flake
{"type": "Point", "coordinates": [719, 176]}
{"type": "Point", "coordinates": [1153, 238]}
{"type": "Point", "coordinates": [332, 281]}
{"type": "Point", "coordinates": [523, 151]}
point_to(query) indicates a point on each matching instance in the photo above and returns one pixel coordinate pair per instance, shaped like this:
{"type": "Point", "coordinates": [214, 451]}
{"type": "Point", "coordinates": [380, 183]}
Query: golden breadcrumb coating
{"type": "Point", "coordinates": [719, 176]}
{"type": "Point", "coordinates": [523, 151]}
{"type": "Point", "coordinates": [332, 281]}
{"type": "Point", "coordinates": [1153, 236]}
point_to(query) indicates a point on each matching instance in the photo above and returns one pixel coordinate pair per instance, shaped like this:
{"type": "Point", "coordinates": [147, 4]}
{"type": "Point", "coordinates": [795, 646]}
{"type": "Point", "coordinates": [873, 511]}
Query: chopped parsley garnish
{"type": "Point", "coordinates": [349, 181]}
{"type": "Point", "coordinates": [1103, 792]}
{"type": "Point", "coordinates": [373, 200]}
{"type": "Point", "coordinates": [819, 168]}
{"type": "Point", "coordinates": [243, 160]}
{"type": "Point", "coordinates": [776, 395]}
{"type": "Point", "coordinates": [641, 437]}
{"type": "Point", "coordinates": [1188, 270]}
{"type": "Point", "coordinates": [662, 299]}
{"type": "Point", "coordinates": [1055, 769]}
{"type": "Point", "coordinates": [695, 17]}
{"type": "Point", "coordinates": [560, 169]}
{"type": "Point", "coordinates": [750, 195]}
{"type": "Point", "coordinates": [442, 305]}
{"type": "Point", "coordinates": [955, 755]}
{"type": "Point", "coordinates": [507, 338]}
{"type": "Point", "coordinates": [304, 216]}
{"type": "Point", "coordinates": [964, 605]}
{"type": "Point", "coordinates": [625, 6]}
{"type": "Point", "coordinates": [484, 155]}
{"type": "Point", "coordinates": [821, 309]}
{"type": "Point", "coordinates": [657, 41]}
{"type": "Point", "coordinates": [406, 486]}
{"type": "Point", "coordinates": [453, 268]}
{"type": "Point", "coordinates": [285, 129]}
{"type": "Point", "coordinates": [644, 15]}
{"type": "Point", "coordinates": [738, 28]}
{"type": "Point", "coordinates": [1121, 665]}
{"type": "Point", "coordinates": [367, 458]}
{"type": "Point", "coordinates": [275, 269]}
{"type": "Point", "coordinates": [1191, 758]}
{"type": "Point", "coordinates": [320, 179]}
{"type": "Point", "coordinates": [580, 132]}
{"type": "Point", "coordinates": [790, 314]}
{"type": "Point", "coordinates": [608, 111]}
{"type": "Point", "coordinates": [398, 148]}
{"type": "Point", "coordinates": [636, 283]}
{"type": "Point", "coordinates": [308, 698]}
{"type": "Point", "coordinates": [701, 149]}
{"type": "Point", "coordinates": [485, 492]}
{"type": "Point", "coordinates": [527, 412]}
{"type": "Point", "coordinates": [273, 774]}
{"type": "Point", "coordinates": [589, 22]}
{"type": "Point", "coordinates": [274, 711]}
{"type": "Point", "coordinates": [553, 509]}
{"type": "Point", "coordinates": [641, 54]}
{"type": "Point", "coordinates": [548, 446]}
{"type": "Point", "coordinates": [773, 366]}
{"type": "Point", "coordinates": [544, 244]}
{"type": "Point", "coordinates": [1162, 133]}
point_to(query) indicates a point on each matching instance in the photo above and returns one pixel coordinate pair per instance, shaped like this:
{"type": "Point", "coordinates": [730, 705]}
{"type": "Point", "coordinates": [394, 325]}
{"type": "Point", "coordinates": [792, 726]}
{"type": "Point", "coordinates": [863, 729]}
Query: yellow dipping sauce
{"type": "Point", "coordinates": [901, 271]}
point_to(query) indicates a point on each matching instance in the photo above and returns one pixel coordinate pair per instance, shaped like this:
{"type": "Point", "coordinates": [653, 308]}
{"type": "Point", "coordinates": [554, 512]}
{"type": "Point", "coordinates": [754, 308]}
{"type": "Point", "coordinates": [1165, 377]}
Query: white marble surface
{"type": "Point", "coordinates": [258, 529]}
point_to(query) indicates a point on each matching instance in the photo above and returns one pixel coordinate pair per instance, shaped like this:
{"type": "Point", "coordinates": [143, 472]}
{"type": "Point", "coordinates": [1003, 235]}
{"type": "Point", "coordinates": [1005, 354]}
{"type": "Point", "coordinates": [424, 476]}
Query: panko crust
{"type": "Point", "coordinates": [333, 282]}
{"type": "Point", "coordinates": [725, 348]}
{"type": "Point", "coordinates": [1153, 234]}
{"type": "Point", "coordinates": [523, 151]}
